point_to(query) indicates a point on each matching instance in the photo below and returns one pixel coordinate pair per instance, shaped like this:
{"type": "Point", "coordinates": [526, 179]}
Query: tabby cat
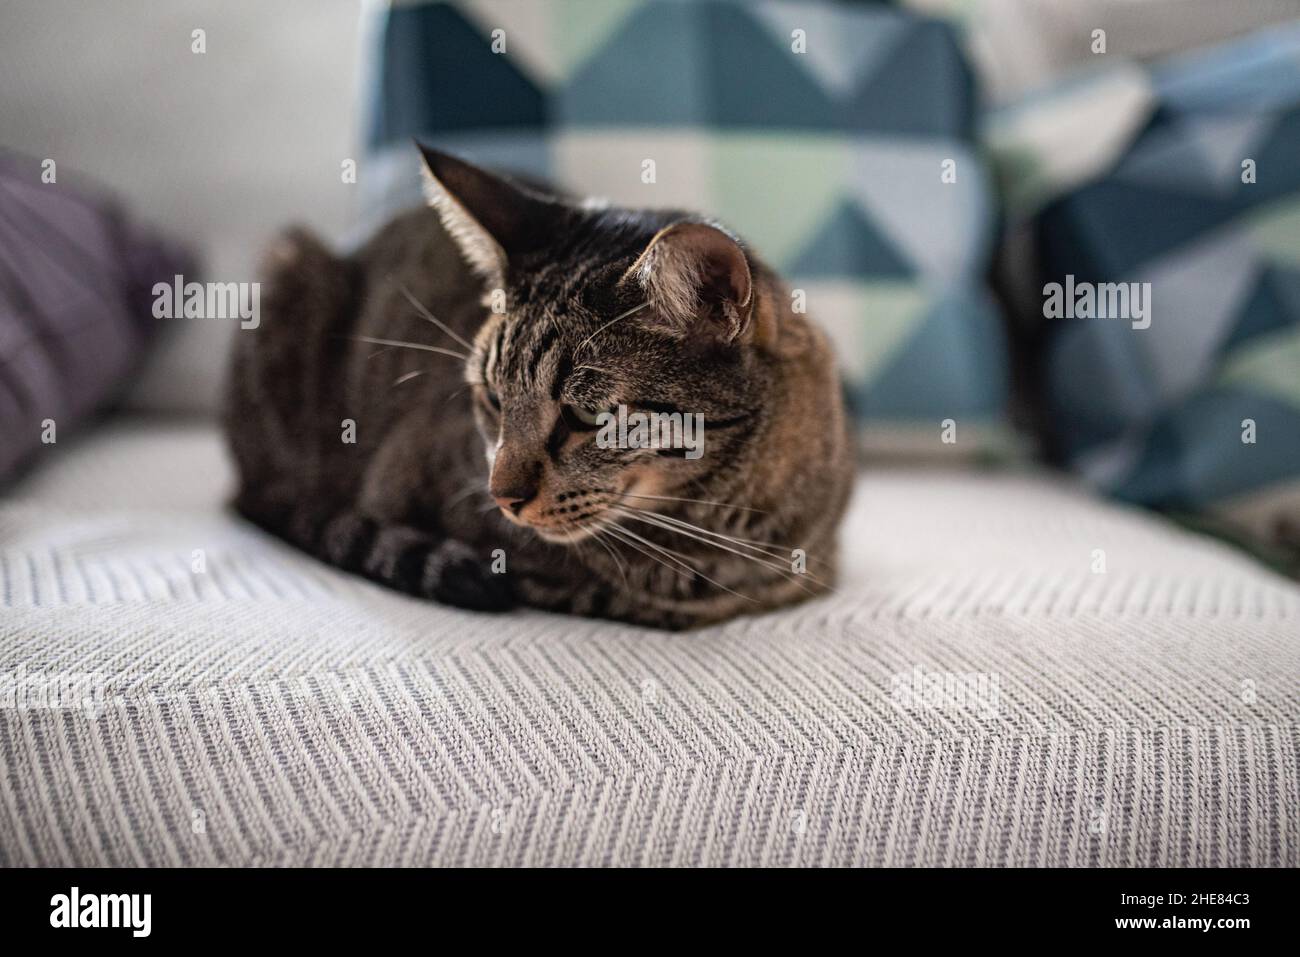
{"type": "Point", "coordinates": [426, 412]}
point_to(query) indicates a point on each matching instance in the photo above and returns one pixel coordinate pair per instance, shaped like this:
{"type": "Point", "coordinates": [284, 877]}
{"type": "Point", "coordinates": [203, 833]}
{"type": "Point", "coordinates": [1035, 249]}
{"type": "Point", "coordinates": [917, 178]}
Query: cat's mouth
{"type": "Point", "coordinates": [570, 517]}
{"type": "Point", "coordinates": [570, 531]}
{"type": "Point", "coordinates": [576, 514]}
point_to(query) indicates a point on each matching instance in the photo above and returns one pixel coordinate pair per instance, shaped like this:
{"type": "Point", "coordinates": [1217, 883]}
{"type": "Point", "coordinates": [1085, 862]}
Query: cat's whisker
{"type": "Point", "coordinates": [617, 531]}
{"type": "Point", "coordinates": [772, 549]}
{"type": "Point", "coordinates": [409, 376]}
{"type": "Point", "coordinates": [670, 553]}
{"type": "Point", "coordinates": [465, 493]}
{"type": "Point", "coordinates": [597, 535]}
{"type": "Point", "coordinates": [613, 552]}
{"type": "Point", "coordinates": [768, 548]}
{"type": "Point", "coordinates": [622, 315]}
{"type": "Point", "coordinates": [646, 518]}
{"type": "Point", "coordinates": [695, 501]}
{"type": "Point", "coordinates": [660, 521]}
{"type": "Point", "coordinates": [426, 314]}
{"type": "Point", "coordinates": [409, 345]}
{"type": "Point", "coordinates": [778, 556]}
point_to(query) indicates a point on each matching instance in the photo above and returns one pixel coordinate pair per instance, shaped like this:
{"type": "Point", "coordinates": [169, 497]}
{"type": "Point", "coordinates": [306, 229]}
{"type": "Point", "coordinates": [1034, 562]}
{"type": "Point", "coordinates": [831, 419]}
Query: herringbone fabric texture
{"type": "Point", "coordinates": [267, 710]}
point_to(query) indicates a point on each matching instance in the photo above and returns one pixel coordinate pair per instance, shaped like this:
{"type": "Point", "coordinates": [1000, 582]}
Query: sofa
{"type": "Point", "coordinates": [1011, 672]}
{"type": "Point", "coordinates": [1015, 668]}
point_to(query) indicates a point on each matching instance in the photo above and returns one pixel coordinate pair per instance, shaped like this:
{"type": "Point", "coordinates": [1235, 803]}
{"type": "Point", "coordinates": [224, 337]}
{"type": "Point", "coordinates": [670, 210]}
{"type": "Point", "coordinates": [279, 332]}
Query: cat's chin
{"type": "Point", "coordinates": [564, 536]}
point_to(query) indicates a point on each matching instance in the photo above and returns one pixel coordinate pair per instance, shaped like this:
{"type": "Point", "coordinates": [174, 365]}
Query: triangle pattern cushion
{"type": "Point", "coordinates": [944, 228]}
{"type": "Point", "coordinates": [866, 320]}
{"type": "Point", "coordinates": [1269, 308]}
{"type": "Point", "coordinates": [1195, 295]}
{"type": "Point", "coordinates": [1286, 285]}
{"type": "Point", "coordinates": [753, 81]}
{"type": "Point", "coordinates": [848, 244]}
{"type": "Point", "coordinates": [828, 161]}
{"type": "Point", "coordinates": [841, 46]}
{"type": "Point", "coordinates": [1276, 160]}
{"type": "Point", "coordinates": [1275, 229]}
{"type": "Point", "coordinates": [1259, 72]}
{"type": "Point", "coordinates": [582, 28]}
{"type": "Point", "coordinates": [1225, 140]}
{"type": "Point", "coordinates": [1124, 220]}
{"type": "Point", "coordinates": [430, 55]}
{"type": "Point", "coordinates": [953, 365]}
{"type": "Point", "coordinates": [1097, 383]}
{"type": "Point", "coordinates": [610, 89]}
{"type": "Point", "coordinates": [1267, 364]}
{"type": "Point", "coordinates": [745, 166]}
{"type": "Point", "coordinates": [713, 65]}
{"type": "Point", "coordinates": [522, 30]}
{"type": "Point", "coordinates": [1195, 455]}
{"type": "Point", "coordinates": [1111, 228]}
{"type": "Point", "coordinates": [1158, 415]}
{"type": "Point", "coordinates": [1168, 159]}
{"type": "Point", "coordinates": [923, 87]}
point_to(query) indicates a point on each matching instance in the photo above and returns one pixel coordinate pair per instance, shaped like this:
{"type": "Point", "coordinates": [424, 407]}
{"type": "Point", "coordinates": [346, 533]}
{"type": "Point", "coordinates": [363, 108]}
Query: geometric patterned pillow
{"type": "Point", "coordinates": [1200, 411]}
{"type": "Point", "coordinates": [835, 138]}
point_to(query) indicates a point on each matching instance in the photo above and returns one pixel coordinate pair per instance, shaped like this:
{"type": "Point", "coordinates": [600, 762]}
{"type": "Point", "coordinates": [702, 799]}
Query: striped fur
{"type": "Point", "coordinates": [452, 402]}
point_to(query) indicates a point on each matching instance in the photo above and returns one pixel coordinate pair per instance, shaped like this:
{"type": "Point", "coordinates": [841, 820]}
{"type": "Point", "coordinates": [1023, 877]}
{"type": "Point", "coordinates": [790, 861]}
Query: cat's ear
{"type": "Point", "coordinates": [697, 279]}
{"type": "Point", "coordinates": [489, 217]}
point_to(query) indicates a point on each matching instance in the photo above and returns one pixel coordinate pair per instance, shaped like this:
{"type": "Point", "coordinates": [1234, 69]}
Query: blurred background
{"type": "Point", "coordinates": [919, 170]}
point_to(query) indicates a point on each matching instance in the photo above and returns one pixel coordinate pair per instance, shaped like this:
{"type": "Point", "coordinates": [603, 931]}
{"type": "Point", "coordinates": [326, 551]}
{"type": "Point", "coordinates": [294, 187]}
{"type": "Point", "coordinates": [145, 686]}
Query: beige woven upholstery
{"type": "Point", "coordinates": [269, 710]}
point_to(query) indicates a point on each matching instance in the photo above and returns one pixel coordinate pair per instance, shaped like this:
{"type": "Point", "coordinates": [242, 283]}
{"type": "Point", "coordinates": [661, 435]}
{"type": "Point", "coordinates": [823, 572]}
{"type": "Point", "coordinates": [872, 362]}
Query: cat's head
{"type": "Point", "coordinates": [653, 318]}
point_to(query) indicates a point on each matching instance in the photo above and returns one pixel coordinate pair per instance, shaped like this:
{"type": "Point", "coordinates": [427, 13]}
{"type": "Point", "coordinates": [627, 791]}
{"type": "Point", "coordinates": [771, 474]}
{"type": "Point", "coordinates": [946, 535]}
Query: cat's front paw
{"type": "Point", "coordinates": [455, 574]}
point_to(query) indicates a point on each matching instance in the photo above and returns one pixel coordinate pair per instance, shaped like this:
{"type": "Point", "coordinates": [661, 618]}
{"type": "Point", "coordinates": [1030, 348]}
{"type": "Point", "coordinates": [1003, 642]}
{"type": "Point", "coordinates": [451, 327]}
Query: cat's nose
{"type": "Point", "coordinates": [513, 491]}
{"type": "Point", "coordinates": [514, 501]}
{"type": "Point", "coordinates": [515, 480]}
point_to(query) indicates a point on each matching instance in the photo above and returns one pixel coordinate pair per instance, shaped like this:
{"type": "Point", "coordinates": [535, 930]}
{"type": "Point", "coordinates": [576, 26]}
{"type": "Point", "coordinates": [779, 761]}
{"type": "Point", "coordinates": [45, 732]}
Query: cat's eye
{"type": "Point", "coordinates": [492, 399]}
{"type": "Point", "coordinates": [581, 417]}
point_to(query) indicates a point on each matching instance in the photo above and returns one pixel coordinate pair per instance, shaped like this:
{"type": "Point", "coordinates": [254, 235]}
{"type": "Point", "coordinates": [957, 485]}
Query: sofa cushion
{"type": "Point", "coordinates": [1009, 673]}
{"type": "Point", "coordinates": [75, 305]}
{"type": "Point", "coordinates": [1195, 409]}
{"type": "Point", "coordinates": [835, 138]}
